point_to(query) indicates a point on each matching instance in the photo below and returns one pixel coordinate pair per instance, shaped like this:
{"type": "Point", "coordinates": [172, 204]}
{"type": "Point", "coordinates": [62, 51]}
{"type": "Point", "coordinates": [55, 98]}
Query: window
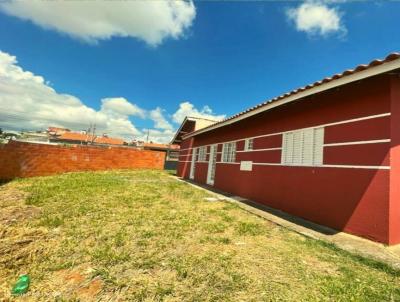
{"type": "Point", "coordinates": [303, 147]}
{"type": "Point", "coordinates": [173, 155]}
{"type": "Point", "coordinates": [202, 153]}
{"type": "Point", "coordinates": [229, 152]}
{"type": "Point", "coordinates": [248, 144]}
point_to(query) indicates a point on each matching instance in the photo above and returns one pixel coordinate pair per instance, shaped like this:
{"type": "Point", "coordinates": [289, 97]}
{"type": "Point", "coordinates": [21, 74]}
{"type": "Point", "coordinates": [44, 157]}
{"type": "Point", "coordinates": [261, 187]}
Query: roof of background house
{"type": "Point", "coordinates": [74, 136]}
{"type": "Point", "coordinates": [375, 67]}
{"type": "Point", "coordinates": [55, 129]}
{"type": "Point", "coordinates": [160, 146]}
{"type": "Point", "coordinates": [200, 123]}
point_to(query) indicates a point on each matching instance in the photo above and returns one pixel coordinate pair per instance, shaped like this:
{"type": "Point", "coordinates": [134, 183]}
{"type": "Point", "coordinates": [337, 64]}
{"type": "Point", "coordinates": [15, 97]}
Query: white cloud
{"type": "Point", "coordinates": [160, 122]}
{"type": "Point", "coordinates": [121, 107]}
{"type": "Point", "coordinates": [93, 20]}
{"type": "Point", "coordinates": [28, 102]}
{"type": "Point", "coordinates": [159, 136]}
{"type": "Point", "coordinates": [188, 109]}
{"type": "Point", "coordinates": [317, 18]}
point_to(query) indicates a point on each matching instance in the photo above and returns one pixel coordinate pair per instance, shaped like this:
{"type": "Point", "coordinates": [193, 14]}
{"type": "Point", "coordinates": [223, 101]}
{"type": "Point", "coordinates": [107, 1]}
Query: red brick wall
{"type": "Point", "coordinates": [21, 159]}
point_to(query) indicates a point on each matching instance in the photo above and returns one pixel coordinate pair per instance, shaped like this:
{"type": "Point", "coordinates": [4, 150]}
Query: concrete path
{"type": "Point", "coordinates": [347, 242]}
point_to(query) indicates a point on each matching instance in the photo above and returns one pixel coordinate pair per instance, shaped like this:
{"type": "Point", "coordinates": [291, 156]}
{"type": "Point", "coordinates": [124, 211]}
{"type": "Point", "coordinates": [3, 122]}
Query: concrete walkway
{"type": "Point", "coordinates": [347, 242]}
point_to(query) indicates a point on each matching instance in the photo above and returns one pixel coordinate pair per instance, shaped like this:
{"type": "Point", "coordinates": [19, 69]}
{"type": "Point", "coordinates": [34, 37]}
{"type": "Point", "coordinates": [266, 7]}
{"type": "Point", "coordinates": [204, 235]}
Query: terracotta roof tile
{"type": "Point", "coordinates": [163, 146]}
{"type": "Point", "coordinates": [74, 136]}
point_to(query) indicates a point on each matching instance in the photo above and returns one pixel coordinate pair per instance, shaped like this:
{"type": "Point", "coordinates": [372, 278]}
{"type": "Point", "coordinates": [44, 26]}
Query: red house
{"type": "Point", "coordinates": [328, 152]}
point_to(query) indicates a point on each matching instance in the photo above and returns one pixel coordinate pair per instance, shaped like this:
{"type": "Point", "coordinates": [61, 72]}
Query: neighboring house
{"type": "Point", "coordinates": [34, 137]}
{"type": "Point", "coordinates": [84, 139]}
{"type": "Point", "coordinates": [6, 136]}
{"type": "Point", "coordinates": [328, 152]}
{"type": "Point", "coordinates": [55, 131]}
{"type": "Point", "coordinates": [171, 156]}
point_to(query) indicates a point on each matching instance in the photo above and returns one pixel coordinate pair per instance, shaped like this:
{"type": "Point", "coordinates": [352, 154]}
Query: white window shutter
{"type": "Point", "coordinates": [297, 147]}
{"type": "Point", "coordinates": [303, 147]}
{"type": "Point", "coordinates": [288, 148]}
{"type": "Point", "coordinates": [318, 146]}
{"type": "Point", "coordinates": [308, 147]}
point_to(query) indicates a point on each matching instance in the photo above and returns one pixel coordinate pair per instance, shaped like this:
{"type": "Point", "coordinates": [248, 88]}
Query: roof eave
{"type": "Point", "coordinates": [187, 118]}
{"type": "Point", "coordinates": [360, 75]}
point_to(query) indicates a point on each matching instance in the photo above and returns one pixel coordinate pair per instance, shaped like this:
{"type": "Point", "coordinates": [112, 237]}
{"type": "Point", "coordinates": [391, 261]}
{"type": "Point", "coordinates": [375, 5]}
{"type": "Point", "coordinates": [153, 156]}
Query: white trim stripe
{"type": "Point", "coordinates": [319, 166]}
{"type": "Point", "coordinates": [255, 150]}
{"type": "Point", "coordinates": [326, 166]}
{"type": "Point", "coordinates": [357, 167]}
{"type": "Point", "coordinates": [317, 126]}
{"type": "Point", "coordinates": [377, 141]}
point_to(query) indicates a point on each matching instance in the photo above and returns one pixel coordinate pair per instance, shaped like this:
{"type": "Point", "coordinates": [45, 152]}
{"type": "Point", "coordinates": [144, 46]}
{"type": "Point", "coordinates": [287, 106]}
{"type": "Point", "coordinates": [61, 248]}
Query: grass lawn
{"type": "Point", "coordinates": [144, 236]}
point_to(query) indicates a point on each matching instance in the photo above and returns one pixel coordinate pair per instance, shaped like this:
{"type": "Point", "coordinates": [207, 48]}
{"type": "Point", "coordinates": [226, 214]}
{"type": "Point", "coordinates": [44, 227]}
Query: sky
{"type": "Point", "coordinates": [133, 67]}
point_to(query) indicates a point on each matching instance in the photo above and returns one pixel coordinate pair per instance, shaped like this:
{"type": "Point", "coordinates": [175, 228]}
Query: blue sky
{"type": "Point", "coordinates": [146, 70]}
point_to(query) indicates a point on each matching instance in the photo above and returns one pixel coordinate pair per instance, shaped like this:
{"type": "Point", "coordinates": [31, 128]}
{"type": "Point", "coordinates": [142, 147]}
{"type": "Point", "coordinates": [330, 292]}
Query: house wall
{"type": "Point", "coordinates": [20, 159]}
{"type": "Point", "coordinates": [350, 192]}
{"type": "Point", "coordinates": [394, 206]}
{"type": "Point", "coordinates": [185, 153]}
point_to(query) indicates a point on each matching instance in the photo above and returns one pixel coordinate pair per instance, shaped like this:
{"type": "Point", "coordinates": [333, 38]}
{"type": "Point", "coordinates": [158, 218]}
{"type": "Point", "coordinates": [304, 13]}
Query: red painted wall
{"type": "Point", "coordinates": [394, 206]}
{"type": "Point", "coordinates": [20, 159]}
{"type": "Point", "coordinates": [354, 200]}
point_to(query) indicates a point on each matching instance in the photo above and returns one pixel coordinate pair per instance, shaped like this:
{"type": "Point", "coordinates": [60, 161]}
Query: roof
{"type": "Point", "coordinates": [200, 123]}
{"type": "Point", "coordinates": [55, 129]}
{"type": "Point", "coordinates": [161, 146]}
{"type": "Point", "coordinates": [375, 67]}
{"type": "Point", "coordinates": [74, 136]}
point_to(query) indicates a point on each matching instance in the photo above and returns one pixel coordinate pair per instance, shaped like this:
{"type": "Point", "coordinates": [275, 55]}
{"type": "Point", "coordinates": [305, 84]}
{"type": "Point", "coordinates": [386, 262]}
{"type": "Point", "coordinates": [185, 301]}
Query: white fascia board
{"type": "Point", "coordinates": [360, 75]}
{"type": "Point", "coordinates": [180, 128]}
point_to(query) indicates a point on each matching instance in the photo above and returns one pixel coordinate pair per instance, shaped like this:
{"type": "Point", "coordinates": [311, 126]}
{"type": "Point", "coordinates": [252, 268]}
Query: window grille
{"type": "Point", "coordinates": [229, 152]}
{"type": "Point", "coordinates": [248, 144]}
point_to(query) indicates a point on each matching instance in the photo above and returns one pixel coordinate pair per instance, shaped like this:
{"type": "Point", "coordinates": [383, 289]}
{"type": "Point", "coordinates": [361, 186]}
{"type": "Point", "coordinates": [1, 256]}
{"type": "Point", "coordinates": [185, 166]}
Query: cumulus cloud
{"type": "Point", "coordinates": [121, 107]}
{"type": "Point", "coordinates": [156, 135]}
{"type": "Point", "coordinates": [160, 122]}
{"type": "Point", "coordinates": [188, 109]}
{"type": "Point", "coordinates": [89, 20]}
{"type": "Point", "coordinates": [317, 18]}
{"type": "Point", "coordinates": [28, 102]}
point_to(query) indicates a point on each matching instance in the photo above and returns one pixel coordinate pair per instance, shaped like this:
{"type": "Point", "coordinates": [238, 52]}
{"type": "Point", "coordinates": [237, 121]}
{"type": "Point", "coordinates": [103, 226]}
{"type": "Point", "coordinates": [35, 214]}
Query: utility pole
{"type": "Point", "coordinates": [148, 132]}
{"type": "Point", "coordinates": [88, 133]}
{"type": "Point", "coordinates": [94, 132]}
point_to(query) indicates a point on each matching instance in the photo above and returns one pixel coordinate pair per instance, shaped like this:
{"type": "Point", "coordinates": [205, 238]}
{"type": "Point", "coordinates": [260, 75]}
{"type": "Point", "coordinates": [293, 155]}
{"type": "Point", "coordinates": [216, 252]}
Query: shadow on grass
{"type": "Point", "coordinates": [296, 220]}
{"type": "Point", "coordinates": [373, 263]}
{"type": "Point", "coordinates": [4, 181]}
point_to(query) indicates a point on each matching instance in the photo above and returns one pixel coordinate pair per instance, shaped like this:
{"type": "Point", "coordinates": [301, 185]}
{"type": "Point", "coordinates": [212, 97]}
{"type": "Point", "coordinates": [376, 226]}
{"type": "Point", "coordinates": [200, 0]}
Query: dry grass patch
{"type": "Point", "coordinates": [143, 236]}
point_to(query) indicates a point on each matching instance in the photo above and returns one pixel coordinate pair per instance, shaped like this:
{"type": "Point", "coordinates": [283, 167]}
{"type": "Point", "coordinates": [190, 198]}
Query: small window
{"type": "Point", "coordinates": [202, 153]}
{"type": "Point", "coordinates": [303, 147]}
{"type": "Point", "coordinates": [248, 144]}
{"type": "Point", "coordinates": [229, 152]}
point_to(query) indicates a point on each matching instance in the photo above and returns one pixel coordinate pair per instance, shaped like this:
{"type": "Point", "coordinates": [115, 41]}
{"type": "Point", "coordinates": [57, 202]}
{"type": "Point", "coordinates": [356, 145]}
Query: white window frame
{"type": "Point", "coordinates": [248, 144]}
{"type": "Point", "coordinates": [193, 163]}
{"type": "Point", "coordinates": [229, 152]}
{"type": "Point", "coordinates": [202, 154]}
{"type": "Point", "coordinates": [304, 147]}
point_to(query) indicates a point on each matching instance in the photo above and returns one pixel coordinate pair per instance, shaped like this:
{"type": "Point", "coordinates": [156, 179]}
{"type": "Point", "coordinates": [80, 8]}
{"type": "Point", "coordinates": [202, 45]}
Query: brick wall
{"type": "Point", "coordinates": [21, 159]}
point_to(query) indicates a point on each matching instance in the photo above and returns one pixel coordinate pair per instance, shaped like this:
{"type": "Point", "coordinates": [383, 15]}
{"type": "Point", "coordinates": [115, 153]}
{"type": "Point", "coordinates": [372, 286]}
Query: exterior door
{"type": "Point", "coordinates": [193, 163]}
{"type": "Point", "coordinates": [212, 161]}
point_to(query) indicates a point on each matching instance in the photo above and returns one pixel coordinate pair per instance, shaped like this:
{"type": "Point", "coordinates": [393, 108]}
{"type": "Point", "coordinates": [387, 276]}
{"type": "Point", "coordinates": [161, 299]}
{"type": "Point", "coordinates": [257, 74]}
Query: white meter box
{"type": "Point", "coordinates": [246, 166]}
